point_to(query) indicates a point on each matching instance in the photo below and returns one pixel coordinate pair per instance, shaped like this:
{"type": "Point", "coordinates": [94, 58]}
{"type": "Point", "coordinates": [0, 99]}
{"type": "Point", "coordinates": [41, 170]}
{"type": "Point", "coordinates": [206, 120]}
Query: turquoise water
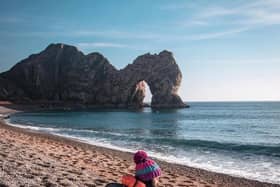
{"type": "Point", "coordinates": [237, 138]}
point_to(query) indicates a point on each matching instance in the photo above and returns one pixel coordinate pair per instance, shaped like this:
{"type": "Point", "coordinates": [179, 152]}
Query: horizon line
{"type": "Point", "coordinates": [232, 101]}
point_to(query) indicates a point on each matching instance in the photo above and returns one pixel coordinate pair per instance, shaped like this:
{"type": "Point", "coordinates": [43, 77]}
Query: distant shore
{"type": "Point", "coordinates": [33, 158]}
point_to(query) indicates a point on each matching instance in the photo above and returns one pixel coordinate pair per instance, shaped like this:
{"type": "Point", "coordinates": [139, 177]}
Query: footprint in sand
{"type": "Point", "coordinates": [20, 164]}
{"type": "Point", "coordinates": [182, 185]}
{"type": "Point", "coordinates": [115, 175]}
{"type": "Point", "coordinates": [90, 185]}
{"type": "Point", "coordinates": [3, 155]}
{"type": "Point", "coordinates": [102, 171]}
{"type": "Point", "coordinates": [168, 185]}
{"type": "Point", "coordinates": [100, 181]}
{"type": "Point", "coordinates": [65, 182]}
{"type": "Point", "coordinates": [188, 181]}
{"type": "Point", "coordinates": [172, 181]}
{"type": "Point", "coordinates": [87, 161]}
{"type": "Point", "coordinates": [64, 174]}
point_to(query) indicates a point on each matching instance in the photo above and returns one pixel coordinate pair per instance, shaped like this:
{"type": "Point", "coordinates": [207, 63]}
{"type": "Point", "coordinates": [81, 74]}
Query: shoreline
{"type": "Point", "coordinates": [173, 175]}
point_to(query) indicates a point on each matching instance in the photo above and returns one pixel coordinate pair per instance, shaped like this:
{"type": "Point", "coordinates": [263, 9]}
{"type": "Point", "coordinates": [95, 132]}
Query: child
{"type": "Point", "coordinates": [146, 169]}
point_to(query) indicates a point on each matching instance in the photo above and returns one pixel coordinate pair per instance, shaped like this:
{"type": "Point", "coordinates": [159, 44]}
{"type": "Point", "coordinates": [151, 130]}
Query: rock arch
{"type": "Point", "coordinates": [63, 74]}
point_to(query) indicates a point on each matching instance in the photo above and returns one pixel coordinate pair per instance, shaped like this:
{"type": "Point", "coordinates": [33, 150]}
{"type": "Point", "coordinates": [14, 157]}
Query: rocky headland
{"type": "Point", "coordinates": [61, 74]}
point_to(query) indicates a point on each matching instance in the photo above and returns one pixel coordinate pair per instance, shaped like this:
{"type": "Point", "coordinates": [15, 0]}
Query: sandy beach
{"type": "Point", "coordinates": [31, 158]}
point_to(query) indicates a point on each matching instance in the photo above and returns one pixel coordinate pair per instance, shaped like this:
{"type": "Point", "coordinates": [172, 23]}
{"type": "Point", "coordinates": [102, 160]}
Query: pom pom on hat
{"type": "Point", "coordinates": [140, 156]}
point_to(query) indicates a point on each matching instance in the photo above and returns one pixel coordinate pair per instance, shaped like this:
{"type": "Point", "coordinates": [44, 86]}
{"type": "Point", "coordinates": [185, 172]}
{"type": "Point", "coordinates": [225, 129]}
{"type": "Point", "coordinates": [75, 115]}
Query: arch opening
{"type": "Point", "coordinates": [148, 96]}
{"type": "Point", "coordinates": [140, 95]}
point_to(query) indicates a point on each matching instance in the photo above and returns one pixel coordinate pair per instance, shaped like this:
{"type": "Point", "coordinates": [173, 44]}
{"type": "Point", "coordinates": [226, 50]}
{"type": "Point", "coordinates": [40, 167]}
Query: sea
{"type": "Point", "coordinates": [236, 138]}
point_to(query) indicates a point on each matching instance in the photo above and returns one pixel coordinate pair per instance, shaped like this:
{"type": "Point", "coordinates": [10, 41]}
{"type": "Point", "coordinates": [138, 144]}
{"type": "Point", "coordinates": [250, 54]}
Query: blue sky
{"type": "Point", "coordinates": [227, 50]}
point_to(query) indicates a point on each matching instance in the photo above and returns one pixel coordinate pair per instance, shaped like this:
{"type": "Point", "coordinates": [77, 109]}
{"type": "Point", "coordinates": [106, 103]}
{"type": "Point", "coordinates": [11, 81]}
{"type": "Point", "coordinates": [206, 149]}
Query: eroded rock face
{"type": "Point", "coordinates": [61, 73]}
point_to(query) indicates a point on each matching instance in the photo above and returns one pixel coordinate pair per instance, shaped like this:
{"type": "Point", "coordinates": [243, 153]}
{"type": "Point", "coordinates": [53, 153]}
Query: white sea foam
{"type": "Point", "coordinates": [220, 164]}
{"type": "Point", "coordinates": [47, 129]}
{"type": "Point", "coordinates": [97, 142]}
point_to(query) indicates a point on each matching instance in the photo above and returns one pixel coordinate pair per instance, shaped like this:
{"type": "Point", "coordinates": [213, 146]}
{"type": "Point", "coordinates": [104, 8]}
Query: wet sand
{"type": "Point", "coordinates": [31, 158]}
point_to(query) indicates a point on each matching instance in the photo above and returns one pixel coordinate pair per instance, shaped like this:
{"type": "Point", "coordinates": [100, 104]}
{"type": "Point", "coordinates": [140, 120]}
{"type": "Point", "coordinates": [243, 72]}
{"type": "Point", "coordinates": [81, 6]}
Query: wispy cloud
{"type": "Point", "coordinates": [120, 35]}
{"type": "Point", "coordinates": [159, 37]}
{"type": "Point", "coordinates": [228, 19]}
{"type": "Point", "coordinates": [116, 34]}
{"type": "Point", "coordinates": [213, 35]}
{"type": "Point", "coordinates": [250, 13]}
{"type": "Point", "coordinates": [225, 21]}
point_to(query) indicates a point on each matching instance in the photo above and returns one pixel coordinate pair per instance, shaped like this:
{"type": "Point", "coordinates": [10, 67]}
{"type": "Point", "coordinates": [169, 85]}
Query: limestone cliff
{"type": "Point", "coordinates": [61, 73]}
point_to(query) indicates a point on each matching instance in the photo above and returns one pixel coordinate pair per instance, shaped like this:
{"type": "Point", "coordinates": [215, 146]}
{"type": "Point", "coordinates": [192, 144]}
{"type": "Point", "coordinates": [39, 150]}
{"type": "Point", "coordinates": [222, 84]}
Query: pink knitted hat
{"type": "Point", "coordinates": [146, 169]}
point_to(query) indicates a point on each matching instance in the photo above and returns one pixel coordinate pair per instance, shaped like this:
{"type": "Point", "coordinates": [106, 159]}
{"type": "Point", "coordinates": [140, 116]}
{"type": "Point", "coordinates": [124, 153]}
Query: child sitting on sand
{"type": "Point", "coordinates": [146, 171]}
